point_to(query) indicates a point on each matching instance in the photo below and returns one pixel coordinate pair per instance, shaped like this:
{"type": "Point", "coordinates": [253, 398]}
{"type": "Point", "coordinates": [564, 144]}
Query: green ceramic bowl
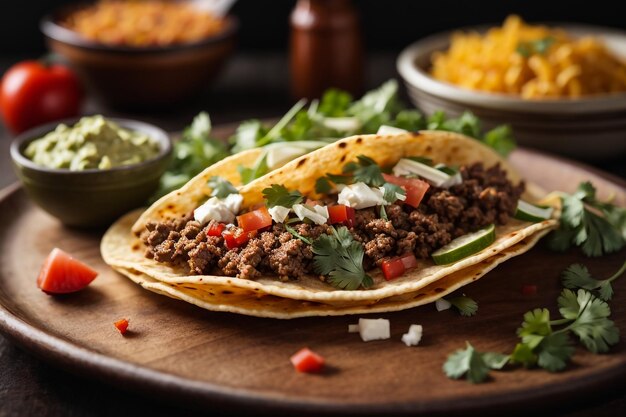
{"type": "Point", "coordinates": [90, 198]}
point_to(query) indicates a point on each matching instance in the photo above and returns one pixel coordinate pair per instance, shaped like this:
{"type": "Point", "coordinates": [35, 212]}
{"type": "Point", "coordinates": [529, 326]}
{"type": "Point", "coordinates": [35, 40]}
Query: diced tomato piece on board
{"type": "Point", "coordinates": [340, 213]}
{"type": "Point", "coordinates": [529, 289]}
{"type": "Point", "coordinates": [255, 220]}
{"type": "Point", "coordinates": [63, 274]}
{"type": "Point", "coordinates": [305, 360]}
{"type": "Point", "coordinates": [121, 325]}
{"type": "Point", "coordinates": [415, 188]}
{"type": "Point", "coordinates": [392, 268]}
{"type": "Point", "coordinates": [215, 229]}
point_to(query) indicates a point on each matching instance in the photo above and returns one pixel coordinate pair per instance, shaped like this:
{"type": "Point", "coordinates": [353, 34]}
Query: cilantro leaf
{"type": "Point", "coordinates": [554, 352]}
{"type": "Point", "coordinates": [473, 364]}
{"type": "Point", "coordinates": [323, 186]}
{"type": "Point", "coordinates": [578, 276]}
{"type": "Point", "coordinates": [278, 195]}
{"type": "Point", "coordinates": [340, 257]}
{"type": "Point", "coordinates": [411, 120]}
{"type": "Point", "coordinates": [597, 227]}
{"type": "Point", "coordinates": [523, 355]}
{"type": "Point", "coordinates": [334, 103]}
{"type": "Point", "coordinates": [535, 327]}
{"type": "Point", "coordinates": [591, 323]}
{"type": "Point", "coordinates": [391, 191]}
{"type": "Point", "coordinates": [466, 306]}
{"type": "Point", "coordinates": [366, 170]}
{"type": "Point", "coordinates": [220, 187]}
{"type": "Point", "coordinates": [500, 139]}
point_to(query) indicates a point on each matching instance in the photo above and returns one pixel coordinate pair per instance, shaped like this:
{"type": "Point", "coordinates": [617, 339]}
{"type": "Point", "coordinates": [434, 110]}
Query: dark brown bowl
{"type": "Point", "coordinates": [92, 197]}
{"type": "Point", "coordinates": [141, 77]}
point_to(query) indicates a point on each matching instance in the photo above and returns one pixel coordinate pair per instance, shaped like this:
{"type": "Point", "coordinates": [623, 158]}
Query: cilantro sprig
{"type": "Point", "coordinates": [365, 170]}
{"type": "Point", "coordinates": [597, 227]}
{"type": "Point", "coordinates": [473, 364]}
{"type": "Point", "coordinates": [278, 195]}
{"type": "Point", "coordinates": [221, 187]}
{"type": "Point", "coordinates": [340, 257]}
{"type": "Point", "coordinates": [578, 276]}
{"type": "Point", "coordinates": [547, 342]}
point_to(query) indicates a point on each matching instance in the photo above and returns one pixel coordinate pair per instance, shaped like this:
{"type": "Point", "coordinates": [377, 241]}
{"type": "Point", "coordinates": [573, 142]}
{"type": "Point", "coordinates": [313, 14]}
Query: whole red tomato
{"type": "Point", "coordinates": [33, 93]}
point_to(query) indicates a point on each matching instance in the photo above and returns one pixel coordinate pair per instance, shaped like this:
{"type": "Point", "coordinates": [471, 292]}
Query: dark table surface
{"type": "Point", "coordinates": [251, 86]}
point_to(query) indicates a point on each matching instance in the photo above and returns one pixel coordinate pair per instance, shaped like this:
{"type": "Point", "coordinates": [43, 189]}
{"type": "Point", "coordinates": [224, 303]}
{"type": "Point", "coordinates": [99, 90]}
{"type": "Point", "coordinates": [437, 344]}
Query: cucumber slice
{"type": "Point", "coordinates": [465, 245]}
{"type": "Point", "coordinates": [531, 213]}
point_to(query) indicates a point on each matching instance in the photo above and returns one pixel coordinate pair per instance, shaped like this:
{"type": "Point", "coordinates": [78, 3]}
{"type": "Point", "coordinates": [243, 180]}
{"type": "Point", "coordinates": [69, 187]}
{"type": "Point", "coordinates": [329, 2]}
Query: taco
{"type": "Point", "coordinates": [369, 223]}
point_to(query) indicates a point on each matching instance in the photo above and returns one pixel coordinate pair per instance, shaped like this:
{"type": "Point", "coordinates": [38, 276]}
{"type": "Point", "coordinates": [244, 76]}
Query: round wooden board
{"type": "Point", "coordinates": [178, 351]}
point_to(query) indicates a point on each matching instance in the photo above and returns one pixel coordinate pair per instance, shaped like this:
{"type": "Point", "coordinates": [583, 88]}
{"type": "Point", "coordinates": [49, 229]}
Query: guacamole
{"type": "Point", "coordinates": [92, 143]}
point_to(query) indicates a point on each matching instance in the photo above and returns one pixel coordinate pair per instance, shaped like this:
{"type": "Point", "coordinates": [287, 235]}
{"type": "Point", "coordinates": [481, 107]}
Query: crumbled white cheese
{"type": "Point", "coordinates": [279, 213]}
{"type": "Point", "coordinates": [442, 304]}
{"type": "Point", "coordinates": [353, 328]}
{"type": "Point", "coordinates": [359, 196]}
{"type": "Point", "coordinates": [390, 130]}
{"type": "Point", "coordinates": [413, 336]}
{"type": "Point", "coordinates": [317, 214]}
{"type": "Point", "coordinates": [221, 210]}
{"type": "Point", "coordinates": [374, 329]}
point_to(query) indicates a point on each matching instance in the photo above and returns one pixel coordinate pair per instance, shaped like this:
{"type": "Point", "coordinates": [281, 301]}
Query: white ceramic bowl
{"type": "Point", "coordinates": [587, 128]}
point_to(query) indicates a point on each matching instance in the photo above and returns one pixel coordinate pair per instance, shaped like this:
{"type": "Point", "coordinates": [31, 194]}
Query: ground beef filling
{"type": "Point", "coordinates": [485, 196]}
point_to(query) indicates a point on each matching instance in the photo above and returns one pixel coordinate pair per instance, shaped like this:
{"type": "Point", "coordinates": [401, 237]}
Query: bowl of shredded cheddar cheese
{"type": "Point", "coordinates": [561, 87]}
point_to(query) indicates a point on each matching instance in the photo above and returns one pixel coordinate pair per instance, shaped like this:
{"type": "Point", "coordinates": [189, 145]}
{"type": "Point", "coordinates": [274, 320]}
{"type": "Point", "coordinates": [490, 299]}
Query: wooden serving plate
{"type": "Point", "coordinates": [218, 360]}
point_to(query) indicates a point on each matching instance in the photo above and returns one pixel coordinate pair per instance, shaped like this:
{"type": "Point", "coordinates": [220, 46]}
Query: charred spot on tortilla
{"type": "Point", "coordinates": [438, 290]}
{"type": "Point", "coordinates": [343, 158]}
{"type": "Point", "coordinates": [342, 145]}
{"type": "Point", "coordinates": [170, 206]}
{"type": "Point", "coordinates": [301, 162]}
{"type": "Point", "coordinates": [136, 247]}
{"type": "Point", "coordinates": [358, 140]}
{"type": "Point", "coordinates": [226, 292]}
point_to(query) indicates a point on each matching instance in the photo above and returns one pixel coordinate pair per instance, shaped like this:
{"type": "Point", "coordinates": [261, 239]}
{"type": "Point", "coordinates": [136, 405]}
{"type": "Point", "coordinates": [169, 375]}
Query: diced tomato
{"type": "Point", "coordinates": [235, 238]}
{"type": "Point", "coordinates": [255, 220]}
{"type": "Point", "coordinates": [408, 260]}
{"type": "Point", "coordinates": [529, 289]}
{"type": "Point", "coordinates": [305, 360]}
{"type": "Point", "coordinates": [63, 274]}
{"type": "Point", "coordinates": [392, 268]}
{"type": "Point", "coordinates": [415, 188]}
{"type": "Point", "coordinates": [215, 229]}
{"type": "Point", "coordinates": [121, 325]}
{"type": "Point", "coordinates": [341, 214]}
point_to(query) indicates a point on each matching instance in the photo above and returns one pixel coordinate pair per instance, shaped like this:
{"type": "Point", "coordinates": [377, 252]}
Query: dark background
{"type": "Point", "coordinates": [389, 25]}
{"type": "Point", "coordinates": [254, 84]}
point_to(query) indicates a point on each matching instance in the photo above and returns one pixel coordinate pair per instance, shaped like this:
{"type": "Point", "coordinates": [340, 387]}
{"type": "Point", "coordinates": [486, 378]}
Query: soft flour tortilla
{"type": "Point", "coordinates": [230, 299]}
{"type": "Point", "coordinates": [124, 251]}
